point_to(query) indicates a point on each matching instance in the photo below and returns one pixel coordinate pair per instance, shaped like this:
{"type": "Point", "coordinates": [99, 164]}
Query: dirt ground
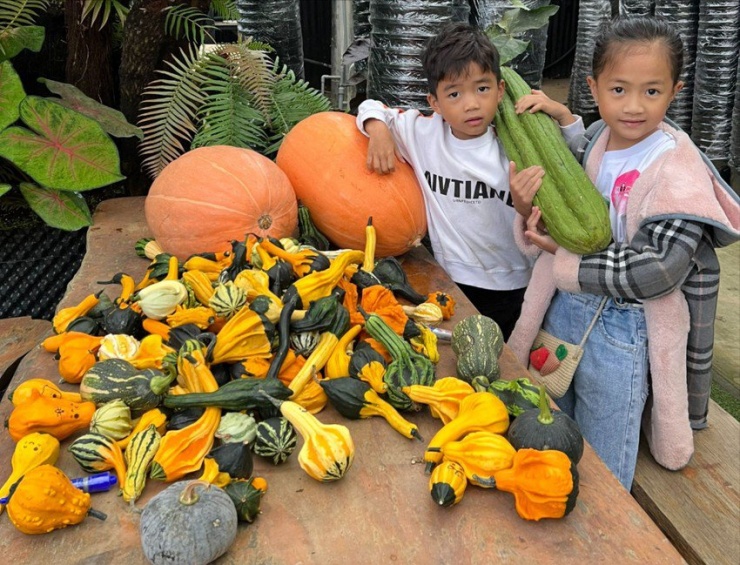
{"type": "Point", "coordinates": [727, 323]}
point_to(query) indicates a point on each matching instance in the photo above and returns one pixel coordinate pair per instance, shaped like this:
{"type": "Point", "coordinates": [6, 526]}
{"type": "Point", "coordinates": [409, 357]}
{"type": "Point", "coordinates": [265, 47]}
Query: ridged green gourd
{"type": "Point", "coordinates": [477, 343]}
{"type": "Point", "coordinates": [573, 210]}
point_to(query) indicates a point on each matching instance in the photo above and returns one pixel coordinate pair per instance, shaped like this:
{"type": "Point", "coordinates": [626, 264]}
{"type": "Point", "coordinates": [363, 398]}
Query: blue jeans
{"type": "Point", "coordinates": [610, 386]}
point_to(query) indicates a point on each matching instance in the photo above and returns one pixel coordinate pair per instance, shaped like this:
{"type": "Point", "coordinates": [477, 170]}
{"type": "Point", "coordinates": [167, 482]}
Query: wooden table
{"type": "Point", "coordinates": [380, 512]}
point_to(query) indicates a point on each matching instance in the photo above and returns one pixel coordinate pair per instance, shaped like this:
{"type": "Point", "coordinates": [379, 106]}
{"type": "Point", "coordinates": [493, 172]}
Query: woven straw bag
{"type": "Point", "coordinates": [556, 383]}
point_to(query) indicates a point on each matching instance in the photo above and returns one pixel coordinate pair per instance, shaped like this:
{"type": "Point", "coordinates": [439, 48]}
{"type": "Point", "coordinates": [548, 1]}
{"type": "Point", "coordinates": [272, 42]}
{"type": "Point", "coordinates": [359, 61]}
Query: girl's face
{"type": "Point", "coordinates": [468, 102]}
{"type": "Point", "coordinates": [633, 92]}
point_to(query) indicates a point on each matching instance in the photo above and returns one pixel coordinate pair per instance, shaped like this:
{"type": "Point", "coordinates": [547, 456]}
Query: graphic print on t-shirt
{"type": "Point", "coordinates": [466, 190]}
{"type": "Point", "coordinates": [621, 190]}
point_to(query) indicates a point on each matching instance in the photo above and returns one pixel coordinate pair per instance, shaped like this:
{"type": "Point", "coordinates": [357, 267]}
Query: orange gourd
{"type": "Point", "coordinates": [324, 158]}
{"type": "Point", "coordinates": [45, 500]}
{"type": "Point", "coordinates": [211, 195]}
{"type": "Point", "coordinates": [56, 416]}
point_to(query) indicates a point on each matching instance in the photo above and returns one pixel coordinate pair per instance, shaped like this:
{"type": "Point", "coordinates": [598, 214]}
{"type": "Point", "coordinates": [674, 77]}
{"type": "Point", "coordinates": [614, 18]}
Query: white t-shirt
{"type": "Point", "coordinates": [620, 169]}
{"type": "Point", "coordinates": [470, 213]}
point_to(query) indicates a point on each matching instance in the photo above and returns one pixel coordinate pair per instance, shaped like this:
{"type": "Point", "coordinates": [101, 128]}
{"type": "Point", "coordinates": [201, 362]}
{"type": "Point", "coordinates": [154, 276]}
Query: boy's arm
{"type": "Point", "coordinates": [657, 261]}
{"type": "Point", "coordinates": [377, 122]}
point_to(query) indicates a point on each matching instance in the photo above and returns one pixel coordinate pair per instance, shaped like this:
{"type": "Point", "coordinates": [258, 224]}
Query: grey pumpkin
{"type": "Point", "coordinates": [188, 523]}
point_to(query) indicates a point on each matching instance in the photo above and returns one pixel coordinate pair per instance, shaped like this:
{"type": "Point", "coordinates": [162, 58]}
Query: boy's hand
{"type": "Point", "coordinates": [536, 234]}
{"type": "Point", "coordinates": [523, 186]}
{"type": "Point", "coordinates": [382, 151]}
{"type": "Point", "coordinates": [538, 101]}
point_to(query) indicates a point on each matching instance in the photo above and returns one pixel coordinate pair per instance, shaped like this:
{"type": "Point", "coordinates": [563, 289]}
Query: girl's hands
{"type": "Point", "coordinates": [537, 235]}
{"type": "Point", "coordinates": [382, 151]}
{"type": "Point", "coordinates": [538, 101]}
{"type": "Point", "coordinates": [523, 186]}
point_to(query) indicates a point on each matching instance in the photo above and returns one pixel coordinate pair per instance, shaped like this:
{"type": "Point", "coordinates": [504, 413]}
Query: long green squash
{"type": "Point", "coordinates": [573, 210]}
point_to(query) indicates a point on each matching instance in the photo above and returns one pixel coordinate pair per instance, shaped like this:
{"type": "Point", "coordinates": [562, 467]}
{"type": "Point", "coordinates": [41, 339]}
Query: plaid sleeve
{"type": "Point", "coordinates": [657, 260]}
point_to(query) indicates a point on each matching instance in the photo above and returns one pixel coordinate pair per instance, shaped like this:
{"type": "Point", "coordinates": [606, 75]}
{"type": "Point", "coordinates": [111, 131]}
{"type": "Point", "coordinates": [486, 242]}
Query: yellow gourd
{"type": "Point", "coordinates": [312, 397]}
{"type": "Point", "coordinates": [31, 451]}
{"type": "Point", "coordinates": [242, 337]}
{"type": "Point", "coordinates": [443, 397]}
{"type": "Point", "coordinates": [371, 239]}
{"type": "Point", "coordinates": [328, 450]}
{"type": "Point", "coordinates": [314, 363]}
{"type": "Point", "coordinates": [45, 500]}
{"type": "Point", "coordinates": [66, 315]}
{"type": "Point", "coordinates": [151, 353]}
{"type": "Point", "coordinates": [154, 416]}
{"type": "Point", "coordinates": [182, 451]}
{"type": "Point", "coordinates": [479, 411]}
{"type": "Point", "coordinates": [200, 316]}
{"type": "Point", "coordinates": [201, 285]}
{"type": "Point", "coordinates": [426, 343]}
{"type": "Point", "coordinates": [447, 483]}
{"type": "Point", "coordinates": [213, 475]}
{"type": "Point", "coordinates": [321, 283]}
{"type": "Point", "coordinates": [338, 364]}
{"type": "Point", "coordinates": [480, 454]}
{"type": "Point", "coordinates": [24, 391]}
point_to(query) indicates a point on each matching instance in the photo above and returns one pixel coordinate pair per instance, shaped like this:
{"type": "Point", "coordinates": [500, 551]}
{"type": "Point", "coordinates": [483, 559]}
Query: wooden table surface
{"type": "Point", "coordinates": [380, 512]}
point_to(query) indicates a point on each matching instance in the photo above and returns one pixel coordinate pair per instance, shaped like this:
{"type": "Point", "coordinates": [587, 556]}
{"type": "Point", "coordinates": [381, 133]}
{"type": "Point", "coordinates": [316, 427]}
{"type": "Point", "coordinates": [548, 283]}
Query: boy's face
{"type": "Point", "coordinates": [468, 102]}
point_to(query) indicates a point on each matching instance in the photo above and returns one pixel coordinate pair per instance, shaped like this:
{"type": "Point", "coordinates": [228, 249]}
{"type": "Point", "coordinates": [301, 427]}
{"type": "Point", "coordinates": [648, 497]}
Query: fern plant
{"type": "Point", "coordinates": [229, 94]}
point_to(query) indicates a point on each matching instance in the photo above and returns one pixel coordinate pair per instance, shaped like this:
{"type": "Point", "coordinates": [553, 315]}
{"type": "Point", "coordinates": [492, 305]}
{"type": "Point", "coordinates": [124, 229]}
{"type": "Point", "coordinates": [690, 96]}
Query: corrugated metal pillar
{"type": "Point", "coordinates": [342, 30]}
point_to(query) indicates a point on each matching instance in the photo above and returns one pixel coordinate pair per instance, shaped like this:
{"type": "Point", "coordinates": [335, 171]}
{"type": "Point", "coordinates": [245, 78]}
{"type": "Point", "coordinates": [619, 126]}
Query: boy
{"type": "Point", "coordinates": [462, 170]}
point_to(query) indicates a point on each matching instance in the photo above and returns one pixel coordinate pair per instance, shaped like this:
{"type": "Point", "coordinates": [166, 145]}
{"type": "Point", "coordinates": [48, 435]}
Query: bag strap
{"type": "Point", "coordinates": [593, 322]}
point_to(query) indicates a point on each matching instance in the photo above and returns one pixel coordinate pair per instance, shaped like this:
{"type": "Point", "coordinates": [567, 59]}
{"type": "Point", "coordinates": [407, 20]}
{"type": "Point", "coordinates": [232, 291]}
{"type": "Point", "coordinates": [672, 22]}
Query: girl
{"type": "Point", "coordinates": [669, 209]}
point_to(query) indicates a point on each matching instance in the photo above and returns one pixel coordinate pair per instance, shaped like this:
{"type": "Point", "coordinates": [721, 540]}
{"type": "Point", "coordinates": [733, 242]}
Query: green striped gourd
{"type": "Point", "coordinates": [139, 456]}
{"type": "Point", "coordinates": [111, 379]}
{"type": "Point", "coordinates": [573, 210]}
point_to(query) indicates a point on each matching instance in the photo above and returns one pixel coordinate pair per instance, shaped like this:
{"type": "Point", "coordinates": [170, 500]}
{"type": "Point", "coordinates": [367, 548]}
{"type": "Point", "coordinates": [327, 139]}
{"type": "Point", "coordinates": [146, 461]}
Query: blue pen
{"type": "Point", "coordinates": [99, 482]}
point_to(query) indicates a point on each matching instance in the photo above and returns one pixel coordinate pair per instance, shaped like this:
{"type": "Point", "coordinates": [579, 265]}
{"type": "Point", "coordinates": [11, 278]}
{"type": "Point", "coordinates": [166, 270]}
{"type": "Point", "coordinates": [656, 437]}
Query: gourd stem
{"type": "Point", "coordinates": [274, 401]}
{"type": "Point", "coordinates": [545, 415]}
{"type": "Point", "coordinates": [97, 514]}
{"type": "Point", "coordinates": [188, 496]}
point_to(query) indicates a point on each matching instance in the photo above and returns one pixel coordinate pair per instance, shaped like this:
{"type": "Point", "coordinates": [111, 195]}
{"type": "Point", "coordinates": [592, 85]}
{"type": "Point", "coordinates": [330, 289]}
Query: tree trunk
{"type": "Point", "coordinates": [145, 46]}
{"type": "Point", "coordinates": [89, 55]}
{"type": "Point", "coordinates": [143, 38]}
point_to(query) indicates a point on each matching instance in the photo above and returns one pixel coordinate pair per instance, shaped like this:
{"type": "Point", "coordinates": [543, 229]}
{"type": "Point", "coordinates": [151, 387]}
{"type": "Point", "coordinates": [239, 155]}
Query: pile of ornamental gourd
{"type": "Point", "coordinates": [187, 374]}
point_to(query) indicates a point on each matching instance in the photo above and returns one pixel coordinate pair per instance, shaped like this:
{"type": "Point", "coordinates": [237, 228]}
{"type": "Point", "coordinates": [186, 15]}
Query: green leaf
{"type": "Point", "coordinates": [4, 188]}
{"type": "Point", "coordinates": [15, 39]}
{"type": "Point", "coordinates": [509, 47]}
{"type": "Point", "coordinates": [518, 20]}
{"type": "Point", "coordinates": [16, 13]}
{"type": "Point", "coordinates": [63, 210]}
{"type": "Point", "coordinates": [11, 94]}
{"type": "Point", "coordinates": [68, 151]}
{"type": "Point", "coordinates": [112, 121]}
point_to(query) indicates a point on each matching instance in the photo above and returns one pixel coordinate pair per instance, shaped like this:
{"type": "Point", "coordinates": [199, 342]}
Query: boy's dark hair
{"type": "Point", "coordinates": [623, 32]}
{"type": "Point", "coordinates": [449, 53]}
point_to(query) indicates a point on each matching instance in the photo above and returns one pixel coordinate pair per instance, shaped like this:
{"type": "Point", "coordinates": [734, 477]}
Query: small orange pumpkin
{"type": "Point", "coordinates": [324, 157]}
{"type": "Point", "coordinates": [211, 195]}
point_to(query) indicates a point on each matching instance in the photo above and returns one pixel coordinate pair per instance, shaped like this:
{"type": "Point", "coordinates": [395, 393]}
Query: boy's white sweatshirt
{"type": "Point", "coordinates": [465, 183]}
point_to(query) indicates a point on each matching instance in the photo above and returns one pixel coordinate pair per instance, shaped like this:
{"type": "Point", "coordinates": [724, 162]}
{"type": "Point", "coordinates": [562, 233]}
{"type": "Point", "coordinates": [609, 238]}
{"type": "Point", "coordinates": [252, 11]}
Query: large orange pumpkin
{"type": "Point", "coordinates": [324, 157]}
{"type": "Point", "coordinates": [211, 195]}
